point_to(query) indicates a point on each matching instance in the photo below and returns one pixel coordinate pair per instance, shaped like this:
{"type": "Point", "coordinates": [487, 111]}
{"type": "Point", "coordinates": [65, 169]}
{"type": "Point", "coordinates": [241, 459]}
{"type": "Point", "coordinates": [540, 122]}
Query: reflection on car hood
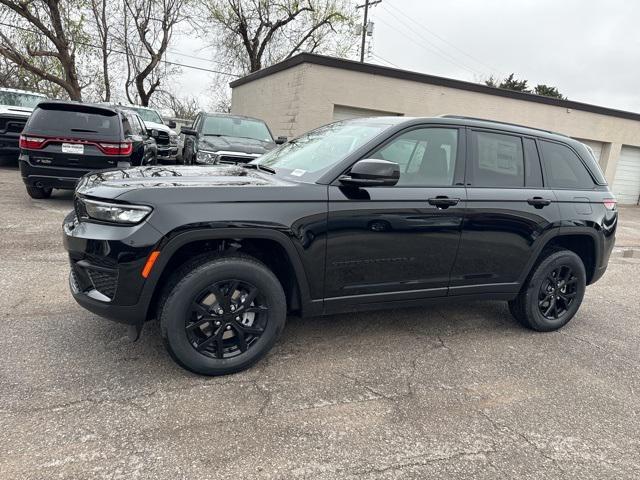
{"type": "Point", "coordinates": [234, 144]}
{"type": "Point", "coordinates": [156, 176]}
{"type": "Point", "coordinates": [158, 126]}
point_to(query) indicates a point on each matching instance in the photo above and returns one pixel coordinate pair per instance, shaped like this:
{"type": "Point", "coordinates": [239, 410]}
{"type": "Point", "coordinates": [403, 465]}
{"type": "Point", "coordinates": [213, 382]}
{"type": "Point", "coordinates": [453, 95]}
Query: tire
{"type": "Point", "coordinates": [39, 192]}
{"type": "Point", "coordinates": [200, 294]}
{"type": "Point", "coordinates": [553, 292]}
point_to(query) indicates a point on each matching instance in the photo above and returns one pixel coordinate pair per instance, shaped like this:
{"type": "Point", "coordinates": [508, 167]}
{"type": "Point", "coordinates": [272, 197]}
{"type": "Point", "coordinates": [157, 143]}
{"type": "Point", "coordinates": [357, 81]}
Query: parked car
{"type": "Point", "coordinates": [357, 215]}
{"type": "Point", "coordinates": [62, 141]}
{"type": "Point", "coordinates": [15, 108]}
{"type": "Point", "coordinates": [222, 138]}
{"type": "Point", "coordinates": [164, 134]}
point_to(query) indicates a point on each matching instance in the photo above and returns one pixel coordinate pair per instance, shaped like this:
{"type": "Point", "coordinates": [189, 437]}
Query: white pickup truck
{"type": "Point", "coordinates": [15, 108]}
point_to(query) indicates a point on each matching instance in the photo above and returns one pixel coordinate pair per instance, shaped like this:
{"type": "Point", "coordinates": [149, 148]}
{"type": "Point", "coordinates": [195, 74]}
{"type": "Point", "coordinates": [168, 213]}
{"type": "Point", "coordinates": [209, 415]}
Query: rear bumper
{"type": "Point", "coordinates": [53, 177]}
{"type": "Point", "coordinates": [106, 264]}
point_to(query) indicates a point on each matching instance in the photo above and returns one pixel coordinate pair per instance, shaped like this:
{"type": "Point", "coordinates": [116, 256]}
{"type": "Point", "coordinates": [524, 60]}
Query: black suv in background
{"type": "Point", "coordinates": [357, 215]}
{"type": "Point", "coordinates": [222, 138]}
{"type": "Point", "coordinates": [62, 141]}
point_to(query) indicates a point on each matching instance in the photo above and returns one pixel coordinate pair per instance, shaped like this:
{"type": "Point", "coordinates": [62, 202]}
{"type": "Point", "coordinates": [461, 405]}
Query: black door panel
{"type": "Point", "coordinates": [390, 239]}
{"type": "Point", "coordinates": [498, 237]}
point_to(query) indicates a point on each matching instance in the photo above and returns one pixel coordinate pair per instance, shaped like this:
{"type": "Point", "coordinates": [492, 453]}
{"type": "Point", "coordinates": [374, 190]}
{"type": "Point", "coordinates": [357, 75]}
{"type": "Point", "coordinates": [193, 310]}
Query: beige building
{"type": "Point", "coordinates": [307, 91]}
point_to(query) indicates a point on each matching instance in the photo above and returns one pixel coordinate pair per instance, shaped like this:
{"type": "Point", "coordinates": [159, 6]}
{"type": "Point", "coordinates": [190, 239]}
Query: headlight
{"type": "Point", "coordinates": [207, 157]}
{"type": "Point", "coordinates": [173, 139]}
{"type": "Point", "coordinates": [114, 212]}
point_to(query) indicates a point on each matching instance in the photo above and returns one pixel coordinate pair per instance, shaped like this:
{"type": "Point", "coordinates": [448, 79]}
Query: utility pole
{"type": "Point", "coordinates": [365, 23]}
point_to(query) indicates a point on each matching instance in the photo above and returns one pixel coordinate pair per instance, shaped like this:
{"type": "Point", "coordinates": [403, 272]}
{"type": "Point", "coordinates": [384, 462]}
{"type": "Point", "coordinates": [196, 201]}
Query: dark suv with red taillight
{"type": "Point", "coordinates": [62, 141]}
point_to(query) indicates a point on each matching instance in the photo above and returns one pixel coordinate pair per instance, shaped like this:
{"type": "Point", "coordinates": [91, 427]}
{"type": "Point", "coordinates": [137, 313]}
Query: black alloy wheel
{"type": "Point", "coordinates": [221, 314]}
{"type": "Point", "coordinates": [557, 292]}
{"type": "Point", "coordinates": [226, 319]}
{"type": "Point", "coordinates": [553, 293]}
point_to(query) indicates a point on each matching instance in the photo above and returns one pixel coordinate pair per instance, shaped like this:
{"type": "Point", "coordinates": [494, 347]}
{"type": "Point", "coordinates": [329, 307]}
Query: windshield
{"type": "Point", "coordinates": [17, 99]}
{"type": "Point", "coordinates": [147, 115]}
{"type": "Point", "coordinates": [236, 127]}
{"type": "Point", "coordinates": [307, 157]}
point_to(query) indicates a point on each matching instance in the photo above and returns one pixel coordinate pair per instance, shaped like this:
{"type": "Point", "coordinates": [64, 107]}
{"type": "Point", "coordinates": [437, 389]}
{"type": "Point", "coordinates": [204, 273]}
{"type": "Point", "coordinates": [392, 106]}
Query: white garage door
{"type": "Point", "coordinates": [626, 185]}
{"type": "Point", "coordinates": [342, 112]}
{"type": "Point", "coordinates": [596, 147]}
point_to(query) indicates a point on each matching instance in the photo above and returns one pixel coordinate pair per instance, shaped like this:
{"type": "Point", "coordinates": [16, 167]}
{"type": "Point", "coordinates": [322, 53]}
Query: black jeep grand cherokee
{"type": "Point", "coordinates": [360, 214]}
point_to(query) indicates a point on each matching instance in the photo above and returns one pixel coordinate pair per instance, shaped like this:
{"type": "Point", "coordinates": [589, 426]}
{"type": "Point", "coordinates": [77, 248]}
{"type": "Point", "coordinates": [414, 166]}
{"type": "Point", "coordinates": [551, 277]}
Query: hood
{"type": "Point", "coordinates": [159, 126]}
{"type": "Point", "coordinates": [234, 144]}
{"type": "Point", "coordinates": [18, 111]}
{"type": "Point", "coordinates": [118, 181]}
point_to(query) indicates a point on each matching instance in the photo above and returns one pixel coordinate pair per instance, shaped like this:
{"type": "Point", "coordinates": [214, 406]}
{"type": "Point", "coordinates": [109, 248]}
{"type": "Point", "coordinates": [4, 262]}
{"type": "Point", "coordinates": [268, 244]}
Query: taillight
{"type": "Point", "coordinates": [31, 143]}
{"type": "Point", "coordinates": [610, 203]}
{"type": "Point", "coordinates": [124, 148]}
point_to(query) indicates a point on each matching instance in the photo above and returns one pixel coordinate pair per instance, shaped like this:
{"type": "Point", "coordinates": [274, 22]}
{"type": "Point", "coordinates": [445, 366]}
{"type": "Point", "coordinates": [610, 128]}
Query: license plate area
{"type": "Point", "coordinates": [73, 148]}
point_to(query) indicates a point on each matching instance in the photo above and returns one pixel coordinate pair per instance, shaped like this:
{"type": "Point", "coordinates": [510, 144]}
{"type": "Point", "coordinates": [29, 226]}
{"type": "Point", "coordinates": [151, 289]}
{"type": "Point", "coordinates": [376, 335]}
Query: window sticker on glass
{"type": "Point", "coordinates": [298, 172]}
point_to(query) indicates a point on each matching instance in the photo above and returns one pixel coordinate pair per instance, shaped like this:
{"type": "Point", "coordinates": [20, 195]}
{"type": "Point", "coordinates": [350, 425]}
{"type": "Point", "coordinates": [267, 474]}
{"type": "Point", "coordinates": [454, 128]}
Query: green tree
{"type": "Point", "coordinates": [511, 83]}
{"type": "Point", "coordinates": [548, 91]}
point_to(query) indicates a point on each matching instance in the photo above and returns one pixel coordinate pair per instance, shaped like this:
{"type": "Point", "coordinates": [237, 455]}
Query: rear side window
{"type": "Point", "coordinates": [499, 161]}
{"type": "Point", "coordinates": [89, 122]}
{"type": "Point", "coordinates": [563, 168]}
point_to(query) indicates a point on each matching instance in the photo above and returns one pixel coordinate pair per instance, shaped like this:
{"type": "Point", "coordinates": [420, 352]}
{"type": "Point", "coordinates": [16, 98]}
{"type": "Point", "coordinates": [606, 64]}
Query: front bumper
{"type": "Point", "coordinates": [106, 263]}
{"type": "Point", "coordinates": [167, 154]}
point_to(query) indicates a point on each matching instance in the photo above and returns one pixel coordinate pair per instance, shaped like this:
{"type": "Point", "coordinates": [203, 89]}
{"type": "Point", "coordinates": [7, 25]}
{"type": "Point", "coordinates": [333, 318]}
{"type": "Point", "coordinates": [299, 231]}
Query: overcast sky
{"type": "Point", "coordinates": [589, 49]}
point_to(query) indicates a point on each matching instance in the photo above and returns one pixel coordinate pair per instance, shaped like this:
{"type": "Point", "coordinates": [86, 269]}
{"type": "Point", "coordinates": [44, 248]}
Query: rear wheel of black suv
{"type": "Point", "coordinates": [39, 192]}
{"type": "Point", "coordinates": [553, 293]}
{"type": "Point", "coordinates": [221, 315]}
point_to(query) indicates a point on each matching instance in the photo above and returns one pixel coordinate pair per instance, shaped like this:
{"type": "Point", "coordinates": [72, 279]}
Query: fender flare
{"type": "Point", "coordinates": [171, 244]}
{"type": "Point", "coordinates": [557, 233]}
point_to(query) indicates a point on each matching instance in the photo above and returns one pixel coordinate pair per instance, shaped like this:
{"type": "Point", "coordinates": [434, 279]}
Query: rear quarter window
{"type": "Point", "coordinates": [563, 168]}
{"type": "Point", "coordinates": [87, 122]}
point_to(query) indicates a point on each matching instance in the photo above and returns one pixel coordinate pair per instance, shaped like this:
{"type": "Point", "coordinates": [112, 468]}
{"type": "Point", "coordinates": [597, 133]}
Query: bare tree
{"type": "Point", "coordinates": [251, 34]}
{"type": "Point", "coordinates": [153, 22]}
{"type": "Point", "coordinates": [44, 40]}
{"type": "Point", "coordinates": [102, 11]}
{"type": "Point", "coordinates": [185, 107]}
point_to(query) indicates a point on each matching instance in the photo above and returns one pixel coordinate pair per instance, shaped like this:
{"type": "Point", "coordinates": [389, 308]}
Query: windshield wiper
{"type": "Point", "coordinates": [257, 166]}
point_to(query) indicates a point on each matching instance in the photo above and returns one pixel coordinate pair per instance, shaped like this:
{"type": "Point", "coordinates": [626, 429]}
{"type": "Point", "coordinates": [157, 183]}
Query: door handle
{"type": "Point", "coordinates": [539, 202]}
{"type": "Point", "coordinates": [443, 201]}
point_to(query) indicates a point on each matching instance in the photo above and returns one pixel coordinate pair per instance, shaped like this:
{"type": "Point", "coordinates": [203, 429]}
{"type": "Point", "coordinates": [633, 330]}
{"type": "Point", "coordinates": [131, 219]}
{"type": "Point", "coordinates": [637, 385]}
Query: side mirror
{"type": "Point", "coordinates": [281, 140]}
{"type": "Point", "coordinates": [171, 124]}
{"type": "Point", "coordinates": [189, 131]}
{"type": "Point", "coordinates": [372, 173]}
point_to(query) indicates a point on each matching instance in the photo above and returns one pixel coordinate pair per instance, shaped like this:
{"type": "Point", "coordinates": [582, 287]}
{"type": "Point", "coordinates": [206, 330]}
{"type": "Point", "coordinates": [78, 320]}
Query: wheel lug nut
{"type": "Point", "coordinates": [238, 318]}
{"type": "Point", "coordinates": [228, 327]}
{"type": "Point", "coordinates": [217, 324]}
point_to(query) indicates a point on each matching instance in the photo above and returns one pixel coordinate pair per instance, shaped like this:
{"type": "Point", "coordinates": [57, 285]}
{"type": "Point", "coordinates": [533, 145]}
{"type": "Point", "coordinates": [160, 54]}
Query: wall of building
{"type": "Point", "coordinates": [303, 97]}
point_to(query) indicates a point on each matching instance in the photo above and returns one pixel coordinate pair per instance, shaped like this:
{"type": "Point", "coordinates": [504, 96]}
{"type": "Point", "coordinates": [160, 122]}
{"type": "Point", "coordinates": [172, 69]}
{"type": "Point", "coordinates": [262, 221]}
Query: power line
{"type": "Point", "coordinates": [111, 50]}
{"type": "Point", "coordinates": [444, 40]}
{"type": "Point", "coordinates": [433, 50]}
{"type": "Point", "coordinates": [384, 60]}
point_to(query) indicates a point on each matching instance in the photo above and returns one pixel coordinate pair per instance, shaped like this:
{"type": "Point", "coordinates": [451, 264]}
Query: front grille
{"type": "Point", "coordinates": [235, 159]}
{"type": "Point", "coordinates": [12, 125]}
{"type": "Point", "coordinates": [162, 138]}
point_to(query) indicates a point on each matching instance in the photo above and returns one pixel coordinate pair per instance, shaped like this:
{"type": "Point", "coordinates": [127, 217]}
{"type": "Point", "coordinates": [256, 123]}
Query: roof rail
{"type": "Point", "coordinates": [462, 117]}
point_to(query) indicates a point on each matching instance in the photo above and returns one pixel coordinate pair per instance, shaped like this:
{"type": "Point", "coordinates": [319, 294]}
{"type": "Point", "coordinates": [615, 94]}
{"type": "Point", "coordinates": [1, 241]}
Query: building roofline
{"type": "Point", "coordinates": [429, 79]}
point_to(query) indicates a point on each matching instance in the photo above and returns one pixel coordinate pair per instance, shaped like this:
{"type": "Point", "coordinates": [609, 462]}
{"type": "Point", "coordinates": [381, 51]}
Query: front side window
{"type": "Point", "coordinates": [499, 161]}
{"type": "Point", "coordinates": [563, 168]}
{"type": "Point", "coordinates": [426, 156]}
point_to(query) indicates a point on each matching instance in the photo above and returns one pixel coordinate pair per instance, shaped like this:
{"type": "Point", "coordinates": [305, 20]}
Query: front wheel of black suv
{"type": "Point", "coordinates": [553, 293]}
{"type": "Point", "coordinates": [39, 192]}
{"type": "Point", "coordinates": [221, 315]}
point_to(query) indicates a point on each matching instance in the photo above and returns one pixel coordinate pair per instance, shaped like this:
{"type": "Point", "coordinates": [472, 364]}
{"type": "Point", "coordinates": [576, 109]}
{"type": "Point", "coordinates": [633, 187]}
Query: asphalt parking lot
{"type": "Point", "coordinates": [457, 391]}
